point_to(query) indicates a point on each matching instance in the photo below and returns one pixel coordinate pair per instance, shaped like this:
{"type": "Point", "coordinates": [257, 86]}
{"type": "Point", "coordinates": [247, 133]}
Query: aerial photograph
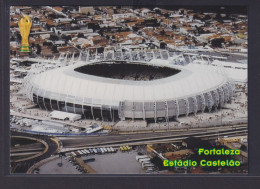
{"type": "Point", "coordinates": [128, 90]}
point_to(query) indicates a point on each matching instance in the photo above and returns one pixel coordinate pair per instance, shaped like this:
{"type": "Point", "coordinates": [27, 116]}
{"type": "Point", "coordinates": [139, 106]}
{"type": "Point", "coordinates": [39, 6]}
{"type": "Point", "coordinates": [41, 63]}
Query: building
{"type": "Point", "coordinates": [87, 10]}
{"type": "Point", "coordinates": [119, 90]}
{"type": "Point", "coordinates": [124, 15]}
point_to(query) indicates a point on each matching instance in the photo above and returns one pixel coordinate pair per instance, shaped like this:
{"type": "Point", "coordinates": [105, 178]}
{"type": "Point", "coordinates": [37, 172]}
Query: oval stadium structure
{"type": "Point", "coordinates": [119, 90]}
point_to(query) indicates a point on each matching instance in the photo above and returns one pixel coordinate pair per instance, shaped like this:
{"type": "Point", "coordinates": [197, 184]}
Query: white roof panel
{"type": "Point", "coordinates": [192, 80]}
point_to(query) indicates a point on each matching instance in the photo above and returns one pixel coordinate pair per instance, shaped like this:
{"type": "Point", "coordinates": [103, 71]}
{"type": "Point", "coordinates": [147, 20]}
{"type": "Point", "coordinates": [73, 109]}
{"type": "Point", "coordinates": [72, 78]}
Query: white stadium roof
{"type": "Point", "coordinates": [76, 87]}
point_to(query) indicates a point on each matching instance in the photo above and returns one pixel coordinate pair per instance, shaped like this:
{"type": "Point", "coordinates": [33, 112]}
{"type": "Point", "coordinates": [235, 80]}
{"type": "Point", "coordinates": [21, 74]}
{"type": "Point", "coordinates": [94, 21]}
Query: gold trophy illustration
{"type": "Point", "coordinates": [25, 24]}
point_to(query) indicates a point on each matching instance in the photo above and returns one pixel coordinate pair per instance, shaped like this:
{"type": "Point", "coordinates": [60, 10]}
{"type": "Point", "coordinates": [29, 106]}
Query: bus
{"type": "Point", "coordinates": [111, 149]}
{"type": "Point", "coordinates": [80, 152]}
{"type": "Point", "coordinates": [91, 151]}
{"type": "Point", "coordinates": [146, 162]}
{"type": "Point", "coordinates": [144, 159]}
{"type": "Point", "coordinates": [108, 150]}
{"type": "Point", "coordinates": [95, 150]}
{"type": "Point", "coordinates": [99, 151]}
{"type": "Point", "coordinates": [148, 166]}
{"type": "Point", "coordinates": [141, 156]}
{"type": "Point", "coordinates": [73, 154]}
{"type": "Point", "coordinates": [83, 151]}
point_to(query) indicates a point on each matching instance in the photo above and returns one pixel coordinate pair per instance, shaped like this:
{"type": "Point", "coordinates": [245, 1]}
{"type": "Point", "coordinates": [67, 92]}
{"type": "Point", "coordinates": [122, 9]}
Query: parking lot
{"type": "Point", "coordinates": [53, 168]}
{"type": "Point", "coordinates": [109, 163]}
{"type": "Point", "coordinates": [116, 163]}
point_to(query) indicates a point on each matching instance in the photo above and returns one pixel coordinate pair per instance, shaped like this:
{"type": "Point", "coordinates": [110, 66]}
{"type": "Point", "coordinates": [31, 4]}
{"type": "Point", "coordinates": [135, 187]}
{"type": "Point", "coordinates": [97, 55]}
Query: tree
{"type": "Point", "coordinates": [158, 11]}
{"type": "Point", "coordinates": [74, 21]}
{"type": "Point", "coordinates": [163, 45]}
{"type": "Point", "coordinates": [12, 38]}
{"type": "Point", "coordinates": [18, 37]}
{"type": "Point", "coordinates": [53, 16]}
{"type": "Point", "coordinates": [217, 42]}
{"type": "Point", "coordinates": [93, 26]}
{"type": "Point", "coordinates": [227, 15]}
{"type": "Point", "coordinates": [166, 15]}
{"type": "Point", "coordinates": [54, 38]}
{"type": "Point", "coordinates": [243, 147]}
{"type": "Point", "coordinates": [66, 37]}
{"type": "Point", "coordinates": [100, 50]}
{"type": "Point", "coordinates": [174, 27]}
{"type": "Point", "coordinates": [135, 28]}
{"type": "Point", "coordinates": [195, 41]}
{"type": "Point", "coordinates": [101, 32]}
{"type": "Point", "coordinates": [218, 17]}
{"type": "Point", "coordinates": [39, 49]}
{"type": "Point", "coordinates": [54, 49]}
{"type": "Point", "coordinates": [65, 9]}
{"type": "Point", "coordinates": [207, 17]}
{"type": "Point", "coordinates": [47, 27]}
{"type": "Point", "coordinates": [47, 44]}
{"type": "Point", "coordinates": [195, 16]}
{"type": "Point", "coordinates": [80, 35]}
{"type": "Point", "coordinates": [162, 32]}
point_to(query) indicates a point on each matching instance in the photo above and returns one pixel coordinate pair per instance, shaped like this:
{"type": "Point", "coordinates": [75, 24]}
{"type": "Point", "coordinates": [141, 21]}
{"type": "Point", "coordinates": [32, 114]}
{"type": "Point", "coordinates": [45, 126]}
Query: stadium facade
{"type": "Point", "coordinates": [119, 90]}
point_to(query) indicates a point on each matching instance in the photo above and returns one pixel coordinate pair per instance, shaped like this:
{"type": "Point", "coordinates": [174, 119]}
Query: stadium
{"type": "Point", "coordinates": [135, 90]}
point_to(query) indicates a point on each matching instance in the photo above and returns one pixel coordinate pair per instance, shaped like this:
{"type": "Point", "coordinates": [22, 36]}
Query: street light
{"type": "Point", "coordinates": [60, 156]}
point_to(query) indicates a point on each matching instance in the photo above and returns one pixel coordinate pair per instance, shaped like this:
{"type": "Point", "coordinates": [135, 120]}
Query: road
{"type": "Point", "coordinates": [22, 167]}
{"type": "Point", "coordinates": [134, 139]}
{"type": "Point", "coordinates": [72, 142]}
